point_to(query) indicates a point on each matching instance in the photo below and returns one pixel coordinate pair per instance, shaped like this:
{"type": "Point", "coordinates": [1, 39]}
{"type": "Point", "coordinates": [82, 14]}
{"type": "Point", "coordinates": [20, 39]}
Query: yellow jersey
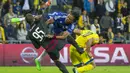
{"type": "Point", "coordinates": [85, 36]}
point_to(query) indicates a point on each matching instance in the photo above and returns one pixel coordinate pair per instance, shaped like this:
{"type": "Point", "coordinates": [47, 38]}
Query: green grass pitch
{"type": "Point", "coordinates": [53, 69]}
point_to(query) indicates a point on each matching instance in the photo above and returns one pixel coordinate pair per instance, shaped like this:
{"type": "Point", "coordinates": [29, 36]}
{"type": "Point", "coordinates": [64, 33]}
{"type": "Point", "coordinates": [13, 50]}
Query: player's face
{"type": "Point", "coordinates": [69, 19]}
{"type": "Point", "coordinates": [84, 12]}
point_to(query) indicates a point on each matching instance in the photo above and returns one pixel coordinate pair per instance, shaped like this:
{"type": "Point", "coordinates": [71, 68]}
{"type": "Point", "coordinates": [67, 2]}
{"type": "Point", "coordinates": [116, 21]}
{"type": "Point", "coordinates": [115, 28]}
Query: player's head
{"type": "Point", "coordinates": [69, 19]}
{"type": "Point", "coordinates": [76, 12]}
{"type": "Point", "coordinates": [29, 18]}
{"type": "Point", "coordinates": [74, 15]}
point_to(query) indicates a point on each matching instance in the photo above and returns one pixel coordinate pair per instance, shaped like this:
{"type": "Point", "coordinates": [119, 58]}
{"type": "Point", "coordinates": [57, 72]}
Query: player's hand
{"type": "Point", "coordinates": [80, 50]}
{"type": "Point", "coordinates": [50, 21]}
{"type": "Point", "coordinates": [48, 3]}
{"type": "Point", "coordinates": [50, 36]}
{"type": "Point", "coordinates": [37, 17]}
{"type": "Point", "coordinates": [4, 42]}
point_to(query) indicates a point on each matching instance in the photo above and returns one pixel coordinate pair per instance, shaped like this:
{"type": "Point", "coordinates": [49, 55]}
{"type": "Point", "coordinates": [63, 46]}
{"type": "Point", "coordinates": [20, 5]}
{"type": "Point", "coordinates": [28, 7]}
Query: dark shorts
{"type": "Point", "coordinates": [53, 47]}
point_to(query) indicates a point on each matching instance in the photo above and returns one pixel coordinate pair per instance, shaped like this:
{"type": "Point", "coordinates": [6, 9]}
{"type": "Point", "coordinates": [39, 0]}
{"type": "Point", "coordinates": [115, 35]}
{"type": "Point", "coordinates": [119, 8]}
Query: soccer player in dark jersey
{"type": "Point", "coordinates": [39, 36]}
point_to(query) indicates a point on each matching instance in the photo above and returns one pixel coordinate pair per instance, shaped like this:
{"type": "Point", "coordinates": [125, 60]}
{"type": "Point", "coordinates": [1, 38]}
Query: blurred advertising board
{"type": "Point", "coordinates": [24, 55]}
{"type": "Point", "coordinates": [1, 55]}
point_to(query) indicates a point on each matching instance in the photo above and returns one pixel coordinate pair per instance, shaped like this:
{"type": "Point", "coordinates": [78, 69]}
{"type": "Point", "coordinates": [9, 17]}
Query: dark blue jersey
{"type": "Point", "coordinates": [59, 22]}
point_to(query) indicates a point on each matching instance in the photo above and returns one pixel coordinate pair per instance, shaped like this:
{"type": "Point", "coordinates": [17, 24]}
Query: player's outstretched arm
{"type": "Point", "coordinates": [63, 36]}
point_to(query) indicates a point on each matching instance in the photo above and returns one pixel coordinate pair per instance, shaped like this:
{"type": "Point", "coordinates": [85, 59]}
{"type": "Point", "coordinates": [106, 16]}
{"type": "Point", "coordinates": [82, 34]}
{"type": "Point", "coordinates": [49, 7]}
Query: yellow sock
{"type": "Point", "coordinates": [85, 68]}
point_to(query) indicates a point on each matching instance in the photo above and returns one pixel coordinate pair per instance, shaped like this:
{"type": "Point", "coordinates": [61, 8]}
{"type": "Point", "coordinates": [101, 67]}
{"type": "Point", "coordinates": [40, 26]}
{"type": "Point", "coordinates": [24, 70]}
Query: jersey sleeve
{"type": "Point", "coordinates": [57, 15]}
{"type": "Point", "coordinates": [35, 43]}
{"type": "Point", "coordinates": [71, 28]}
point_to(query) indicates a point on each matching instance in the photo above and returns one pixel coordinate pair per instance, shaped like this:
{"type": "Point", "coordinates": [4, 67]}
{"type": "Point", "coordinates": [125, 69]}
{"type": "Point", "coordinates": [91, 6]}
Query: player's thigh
{"type": "Point", "coordinates": [54, 55]}
{"type": "Point", "coordinates": [84, 57]}
{"type": "Point", "coordinates": [61, 44]}
{"type": "Point", "coordinates": [74, 56]}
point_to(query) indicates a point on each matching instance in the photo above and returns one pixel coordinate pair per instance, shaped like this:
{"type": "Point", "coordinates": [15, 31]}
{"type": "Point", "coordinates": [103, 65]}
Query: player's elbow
{"type": "Point", "coordinates": [64, 36]}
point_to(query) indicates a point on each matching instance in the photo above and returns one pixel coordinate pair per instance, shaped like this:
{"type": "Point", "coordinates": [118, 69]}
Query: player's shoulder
{"type": "Point", "coordinates": [86, 31]}
{"type": "Point", "coordinates": [56, 13]}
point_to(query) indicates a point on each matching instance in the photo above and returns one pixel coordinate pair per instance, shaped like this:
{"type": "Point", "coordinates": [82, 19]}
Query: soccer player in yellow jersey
{"type": "Point", "coordinates": [83, 62]}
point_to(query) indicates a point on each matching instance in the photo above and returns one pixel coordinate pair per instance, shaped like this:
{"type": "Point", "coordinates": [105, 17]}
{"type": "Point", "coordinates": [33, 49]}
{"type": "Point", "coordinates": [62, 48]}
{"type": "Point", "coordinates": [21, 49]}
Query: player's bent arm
{"type": "Point", "coordinates": [50, 21]}
{"type": "Point", "coordinates": [88, 44]}
{"type": "Point", "coordinates": [64, 35]}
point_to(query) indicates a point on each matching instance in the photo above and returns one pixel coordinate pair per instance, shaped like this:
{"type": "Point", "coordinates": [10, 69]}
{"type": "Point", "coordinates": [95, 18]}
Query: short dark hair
{"type": "Point", "coordinates": [76, 12]}
{"type": "Point", "coordinates": [29, 18]}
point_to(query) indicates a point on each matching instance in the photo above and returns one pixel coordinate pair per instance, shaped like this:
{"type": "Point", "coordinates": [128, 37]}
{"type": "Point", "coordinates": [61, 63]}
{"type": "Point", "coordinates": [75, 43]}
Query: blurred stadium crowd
{"type": "Point", "coordinates": [109, 18]}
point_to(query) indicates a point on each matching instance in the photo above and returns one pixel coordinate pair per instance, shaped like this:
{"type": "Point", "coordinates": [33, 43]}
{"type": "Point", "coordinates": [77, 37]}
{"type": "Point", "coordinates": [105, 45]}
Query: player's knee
{"type": "Point", "coordinates": [94, 65]}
